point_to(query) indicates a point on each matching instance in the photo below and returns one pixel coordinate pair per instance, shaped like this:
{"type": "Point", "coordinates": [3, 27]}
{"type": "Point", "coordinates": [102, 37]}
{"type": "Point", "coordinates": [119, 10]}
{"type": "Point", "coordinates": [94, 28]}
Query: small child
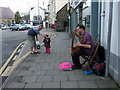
{"type": "Point", "coordinates": [47, 43]}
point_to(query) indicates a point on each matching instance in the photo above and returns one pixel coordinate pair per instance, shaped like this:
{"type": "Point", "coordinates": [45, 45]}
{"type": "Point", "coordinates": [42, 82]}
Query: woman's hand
{"type": "Point", "coordinates": [79, 44]}
{"type": "Point", "coordinates": [75, 45]}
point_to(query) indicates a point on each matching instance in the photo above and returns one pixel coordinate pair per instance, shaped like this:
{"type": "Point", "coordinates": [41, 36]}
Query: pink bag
{"type": "Point", "coordinates": [65, 66]}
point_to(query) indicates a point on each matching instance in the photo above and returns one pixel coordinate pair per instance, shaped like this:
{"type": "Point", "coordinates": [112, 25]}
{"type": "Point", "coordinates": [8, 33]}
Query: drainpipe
{"type": "Point", "coordinates": [69, 27]}
{"type": "Point", "coordinates": [69, 30]}
{"type": "Point", "coordinates": [103, 21]}
{"type": "Point", "coordinates": [99, 20]}
{"type": "Point", "coordinates": [109, 38]}
{"type": "Point", "coordinates": [38, 13]}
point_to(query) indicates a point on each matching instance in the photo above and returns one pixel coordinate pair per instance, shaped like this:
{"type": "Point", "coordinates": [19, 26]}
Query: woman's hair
{"type": "Point", "coordinates": [81, 26]}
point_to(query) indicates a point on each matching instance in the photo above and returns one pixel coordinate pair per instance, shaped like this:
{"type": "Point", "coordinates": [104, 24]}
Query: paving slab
{"type": "Point", "coordinates": [51, 85]}
{"type": "Point", "coordinates": [44, 79]}
{"type": "Point", "coordinates": [39, 73]}
{"type": "Point", "coordinates": [29, 79]}
{"type": "Point", "coordinates": [105, 84]}
{"type": "Point", "coordinates": [33, 85]}
{"type": "Point", "coordinates": [25, 73]}
{"type": "Point", "coordinates": [69, 85]}
{"type": "Point", "coordinates": [76, 77]}
{"type": "Point", "coordinates": [60, 78]}
{"type": "Point", "coordinates": [87, 84]}
{"type": "Point", "coordinates": [16, 85]}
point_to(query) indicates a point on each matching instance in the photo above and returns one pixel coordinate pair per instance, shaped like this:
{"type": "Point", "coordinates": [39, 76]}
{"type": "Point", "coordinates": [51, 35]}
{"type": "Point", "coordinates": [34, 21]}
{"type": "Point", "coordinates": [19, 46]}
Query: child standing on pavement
{"type": "Point", "coordinates": [47, 43]}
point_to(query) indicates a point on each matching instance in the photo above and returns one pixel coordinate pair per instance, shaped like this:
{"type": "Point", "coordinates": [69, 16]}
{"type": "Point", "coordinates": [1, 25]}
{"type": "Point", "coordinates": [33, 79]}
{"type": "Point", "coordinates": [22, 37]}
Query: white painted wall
{"type": "Point", "coordinates": [60, 4]}
{"type": "Point", "coordinates": [34, 12]}
{"type": "Point", "coordinates": [51, 10]}
{"type": "Point", "coordinates": [87, 11]}
{"type": "Point", "coordinates": [119, 28]}
{"type": "Point", "coordinates": [114, 39]}
{"type": "Point", "coordinates": [114, 42]}
{"type": "Point", "coordinates": [104, 28]}
{"type": "Point", "coordinates": [54, 7]}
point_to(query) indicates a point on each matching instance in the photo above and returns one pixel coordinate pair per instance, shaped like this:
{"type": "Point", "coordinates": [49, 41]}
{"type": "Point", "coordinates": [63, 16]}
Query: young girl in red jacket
{"type": "Point", "coordinates": [47, 43]}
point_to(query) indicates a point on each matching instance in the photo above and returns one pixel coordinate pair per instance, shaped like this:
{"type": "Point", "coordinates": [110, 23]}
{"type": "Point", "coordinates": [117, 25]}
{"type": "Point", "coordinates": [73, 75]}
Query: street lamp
{"type": "Point", "coordinates": [38, 13]}
{"type": "Point", "coordinates": [29, 13]}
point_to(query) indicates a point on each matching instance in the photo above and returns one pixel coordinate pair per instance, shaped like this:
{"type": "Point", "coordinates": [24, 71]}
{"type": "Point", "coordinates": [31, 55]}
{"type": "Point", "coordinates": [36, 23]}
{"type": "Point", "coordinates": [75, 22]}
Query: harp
{"type": "Point", "coordinates": [75, 49]}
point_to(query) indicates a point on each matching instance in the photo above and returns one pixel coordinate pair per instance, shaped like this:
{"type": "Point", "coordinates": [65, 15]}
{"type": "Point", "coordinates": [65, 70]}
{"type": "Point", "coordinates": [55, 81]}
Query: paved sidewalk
{"type": "Point", "coordinates": [42, 70]}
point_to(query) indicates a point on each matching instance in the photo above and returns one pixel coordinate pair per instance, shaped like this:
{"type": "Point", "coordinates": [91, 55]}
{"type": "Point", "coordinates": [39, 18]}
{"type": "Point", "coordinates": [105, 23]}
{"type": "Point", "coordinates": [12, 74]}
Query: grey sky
{"type": "Point", "coordinates": [23, 6]}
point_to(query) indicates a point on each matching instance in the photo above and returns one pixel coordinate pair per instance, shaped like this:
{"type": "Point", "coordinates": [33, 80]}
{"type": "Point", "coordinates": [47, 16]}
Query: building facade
{"type": "Point", "coordinates": [61, 19]}
{"type": "Point", "coordinates": [37, 15]}
{"type": "Point", "coordinates": [6, 16]}
{"type": "Point", "coordinates": [53, 7]}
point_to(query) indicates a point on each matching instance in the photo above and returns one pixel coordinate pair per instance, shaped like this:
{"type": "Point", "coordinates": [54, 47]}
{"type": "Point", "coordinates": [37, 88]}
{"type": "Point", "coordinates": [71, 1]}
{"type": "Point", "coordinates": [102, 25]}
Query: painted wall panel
{"type": "Point", "coordinates": [114, 39]}
{"type": "Point", "coordinates": [118, 29]}
{"type": "Point", "coordinates": [119, 44]}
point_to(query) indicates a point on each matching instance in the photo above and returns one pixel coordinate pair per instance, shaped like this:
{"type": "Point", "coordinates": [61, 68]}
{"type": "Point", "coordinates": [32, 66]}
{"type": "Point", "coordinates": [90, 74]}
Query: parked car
{"type": "Point", "coordinates": [5, 27]}
{"type": "Point", "coordinates": [1, 25]}
{"type": "Point", "coordinates": [24, 26]}
{"type": "Point", "coordinates": [17, 27]}
{"type": "Point", "coordinates": [28, 26]}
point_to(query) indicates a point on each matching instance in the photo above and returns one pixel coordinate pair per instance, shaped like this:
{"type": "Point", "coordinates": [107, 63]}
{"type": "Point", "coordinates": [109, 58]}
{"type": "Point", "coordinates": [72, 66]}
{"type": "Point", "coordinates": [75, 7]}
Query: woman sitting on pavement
{"type": "Point", "coordinates": [86, 48]}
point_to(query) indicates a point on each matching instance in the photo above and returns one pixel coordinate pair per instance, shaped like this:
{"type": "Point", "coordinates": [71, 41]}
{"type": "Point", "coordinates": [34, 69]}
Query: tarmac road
{"type": "Point", "coordinates": [10, 40]}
